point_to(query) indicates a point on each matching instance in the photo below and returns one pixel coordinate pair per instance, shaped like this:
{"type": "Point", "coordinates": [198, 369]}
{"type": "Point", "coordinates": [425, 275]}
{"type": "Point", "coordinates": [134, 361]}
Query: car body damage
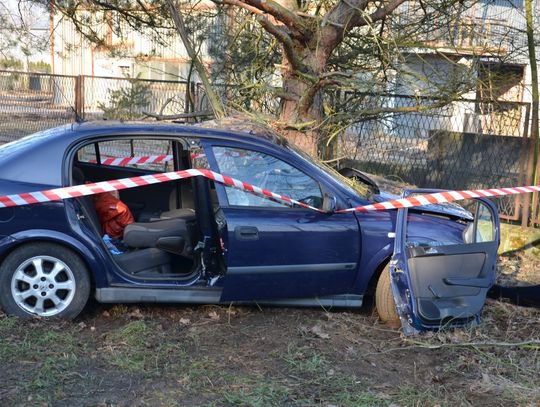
{"type": "Point", "coordinates": [444, 280]}
{"type": "Point", "coordinates": [199, 241]}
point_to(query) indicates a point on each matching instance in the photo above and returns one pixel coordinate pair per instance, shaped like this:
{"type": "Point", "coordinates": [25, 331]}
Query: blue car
{"type": "Point", "coordinates": [199, 241]}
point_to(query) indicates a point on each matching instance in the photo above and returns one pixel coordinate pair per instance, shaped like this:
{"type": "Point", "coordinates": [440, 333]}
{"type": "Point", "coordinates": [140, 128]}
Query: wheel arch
{"type": "Point", "coordinates": [372, 284]}
{"type": "Point", "coordinates": [86, 255]}
{"type": "Point", "coordinates": [368, 281]}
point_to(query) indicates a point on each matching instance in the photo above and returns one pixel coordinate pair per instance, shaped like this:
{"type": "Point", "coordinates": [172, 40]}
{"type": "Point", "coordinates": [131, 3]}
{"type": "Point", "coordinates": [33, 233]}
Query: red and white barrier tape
{"type": "Point", "coordinates": [442, 197]}
{"type": "Point", "coordinates": [145, 159]}
{"type": "Point", "coordinates": [58, 194]}
{"type": "Point", "coordinates": [148, 159]}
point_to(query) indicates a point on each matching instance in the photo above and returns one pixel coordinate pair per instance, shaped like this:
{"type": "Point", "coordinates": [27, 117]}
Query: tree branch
{"type": "Point", "coordinates": [532, 344]}
{"type": "Point", "coordinates": [380, 13]}
{"type": "Point", "coordinates": [284, 38]}
{"type": "Point", "coordinates": [240, 4]}
{"type": "Point", "coordinates": [294, 22]}
{"type": "Point", "coordinates": [306, 100]}
{"type": "Point", "coordinates": [192, 115]}
{"type": "Point", "coordinates": [213, 98]}
{"type": "Point", "coordinates": [348, 14]}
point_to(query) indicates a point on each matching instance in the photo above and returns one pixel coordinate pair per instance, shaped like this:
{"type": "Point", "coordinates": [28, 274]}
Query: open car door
{"type": "Point", "coordinates": [444, 282]}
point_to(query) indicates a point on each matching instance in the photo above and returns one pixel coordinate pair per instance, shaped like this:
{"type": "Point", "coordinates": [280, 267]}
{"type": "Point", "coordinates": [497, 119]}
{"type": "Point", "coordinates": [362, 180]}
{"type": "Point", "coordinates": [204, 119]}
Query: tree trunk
{"type": "Point", "coordinates": [535, 107]}
{"type": "Point", "coordinates": [303, 112]}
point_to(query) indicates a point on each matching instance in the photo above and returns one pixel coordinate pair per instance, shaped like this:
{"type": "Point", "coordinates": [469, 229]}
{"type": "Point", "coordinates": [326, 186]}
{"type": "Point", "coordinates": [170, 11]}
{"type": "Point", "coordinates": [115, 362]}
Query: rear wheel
{"type": "Point", "coordinates": [45, 280]}
{"type": "Point", "coordinates": [384, 300]}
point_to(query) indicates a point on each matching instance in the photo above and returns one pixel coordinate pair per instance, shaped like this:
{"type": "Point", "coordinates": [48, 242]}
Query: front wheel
{"type": "Point", "coordinates": [384, 300]}
{"type": "Point", "coordinates": [45, 280]}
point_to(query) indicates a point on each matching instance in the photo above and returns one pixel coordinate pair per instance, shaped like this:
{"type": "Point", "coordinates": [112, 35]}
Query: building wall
{"type": "Point", "coordinates": [130, 53]}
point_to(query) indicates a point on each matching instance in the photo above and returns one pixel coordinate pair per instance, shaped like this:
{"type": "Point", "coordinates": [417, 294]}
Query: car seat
{"type": "Point", "coordinates": [175, 235]}
{"type": "Point", "coordinates": [153, 240]}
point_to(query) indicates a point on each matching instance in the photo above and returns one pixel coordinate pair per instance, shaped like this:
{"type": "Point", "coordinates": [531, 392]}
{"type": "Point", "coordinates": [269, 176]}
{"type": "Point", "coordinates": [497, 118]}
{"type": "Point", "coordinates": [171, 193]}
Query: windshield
{"type": "Point", "coordinates": [353, 186]}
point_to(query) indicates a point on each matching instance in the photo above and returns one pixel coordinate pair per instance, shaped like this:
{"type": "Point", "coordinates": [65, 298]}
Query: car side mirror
{"type": "Point", "coordinates": [329, 203]}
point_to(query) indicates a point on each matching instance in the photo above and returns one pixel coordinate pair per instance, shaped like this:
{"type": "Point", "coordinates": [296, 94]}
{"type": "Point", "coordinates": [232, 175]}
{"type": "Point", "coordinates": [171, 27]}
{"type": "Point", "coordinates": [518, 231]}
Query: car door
{"type": "Point", "coordinates": [274, 250]}
{"type": "Point", "coordinates": [444, 281]}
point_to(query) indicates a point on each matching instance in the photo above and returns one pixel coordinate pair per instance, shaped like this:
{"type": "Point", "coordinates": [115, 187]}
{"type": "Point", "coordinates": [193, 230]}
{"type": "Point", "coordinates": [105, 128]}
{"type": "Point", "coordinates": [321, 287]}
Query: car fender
{"type": "Point", "coordinates": [90, 256]}
{"type": "Point", "coordinates": [368, 270]}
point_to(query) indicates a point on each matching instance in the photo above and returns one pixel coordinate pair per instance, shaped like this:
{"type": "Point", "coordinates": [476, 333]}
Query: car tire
{"type": "Point", "coordinates": [43, 280]}
{"type": "Point", "coordinates": [384, 300]}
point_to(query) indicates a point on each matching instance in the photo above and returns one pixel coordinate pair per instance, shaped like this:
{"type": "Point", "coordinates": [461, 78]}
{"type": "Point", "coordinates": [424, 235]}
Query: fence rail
{"type": "Point", "coordinates": [465, 144]}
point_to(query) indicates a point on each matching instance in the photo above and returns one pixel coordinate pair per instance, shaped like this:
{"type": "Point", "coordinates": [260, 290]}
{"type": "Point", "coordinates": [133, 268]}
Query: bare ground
{"type": "Point", "coordinates": [246, 356]}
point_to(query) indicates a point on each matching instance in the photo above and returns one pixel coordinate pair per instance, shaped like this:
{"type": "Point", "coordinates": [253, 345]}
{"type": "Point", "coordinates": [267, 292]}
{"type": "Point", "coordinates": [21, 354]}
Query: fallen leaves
{"type": "Point", "coordinates": [315, 331]}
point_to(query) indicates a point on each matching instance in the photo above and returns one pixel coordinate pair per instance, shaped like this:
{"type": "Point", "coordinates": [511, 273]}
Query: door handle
{"type": "Point", "coordinates": [246, 233]}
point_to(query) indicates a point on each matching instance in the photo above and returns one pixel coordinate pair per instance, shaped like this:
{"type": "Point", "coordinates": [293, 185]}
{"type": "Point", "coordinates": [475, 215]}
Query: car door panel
{"type": "Point", "coordinates": [436, 283]}
{"type": "Point", "coordinates": [289, 258]}
{"type": "Point", "coordinates": [324, 239]}
{"type": "Point", "coordinates": [438, 300]}
{"type": "Point", "coordinates": [277, 251]}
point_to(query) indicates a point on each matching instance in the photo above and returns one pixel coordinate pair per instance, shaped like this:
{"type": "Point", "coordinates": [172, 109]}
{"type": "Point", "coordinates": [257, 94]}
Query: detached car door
{"type": "Point", "coordinates": [444, 282]}
{"type": "Point", "coordinates": [274, 251]}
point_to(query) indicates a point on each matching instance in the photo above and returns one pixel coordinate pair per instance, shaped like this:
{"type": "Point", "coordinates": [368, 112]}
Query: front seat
{"type": "Point", "coordinates": [175, 235]}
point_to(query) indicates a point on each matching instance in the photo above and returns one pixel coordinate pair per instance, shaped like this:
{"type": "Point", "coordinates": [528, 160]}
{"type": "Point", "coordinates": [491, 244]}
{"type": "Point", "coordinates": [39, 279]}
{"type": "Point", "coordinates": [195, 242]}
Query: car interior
{"type": "Point", "coordinates": [175, 234]}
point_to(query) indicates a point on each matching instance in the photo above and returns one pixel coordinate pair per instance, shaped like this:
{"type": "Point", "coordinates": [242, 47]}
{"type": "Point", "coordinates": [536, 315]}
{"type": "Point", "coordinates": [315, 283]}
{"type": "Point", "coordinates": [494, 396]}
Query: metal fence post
{"type": "Point", "coordinates": [526, 156]}
{"type": "Point", "coordinates": [79, 97]}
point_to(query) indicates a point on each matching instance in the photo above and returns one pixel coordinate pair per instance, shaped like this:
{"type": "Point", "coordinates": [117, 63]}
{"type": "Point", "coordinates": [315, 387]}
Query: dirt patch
{"type": "Point", "coordinates": [231, 356]}
{"type": "Point", "coordinates": [518, 269]}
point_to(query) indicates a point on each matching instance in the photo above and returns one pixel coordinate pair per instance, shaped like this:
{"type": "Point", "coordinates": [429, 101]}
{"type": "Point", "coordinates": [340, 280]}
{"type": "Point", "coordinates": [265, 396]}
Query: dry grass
{"type": "Point", "coordinates": [241, 356]}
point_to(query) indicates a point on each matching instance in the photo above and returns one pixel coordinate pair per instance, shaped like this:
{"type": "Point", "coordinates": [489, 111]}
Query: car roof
{"type": "Point", "coordinates": [38, 158]}
{"type": "Point", "coordinates": [134, 127]}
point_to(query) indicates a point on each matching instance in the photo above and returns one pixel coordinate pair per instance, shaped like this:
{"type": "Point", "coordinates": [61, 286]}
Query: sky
{"type": "Point", "coordinates": [37, 19]}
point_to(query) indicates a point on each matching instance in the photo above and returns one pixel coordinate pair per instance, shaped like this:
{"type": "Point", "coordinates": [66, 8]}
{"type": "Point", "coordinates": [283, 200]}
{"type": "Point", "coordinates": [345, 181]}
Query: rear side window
{"type": "Point", "coordinates": [147, 154]}
{"type": "Point", "coordinates": [87, 154]}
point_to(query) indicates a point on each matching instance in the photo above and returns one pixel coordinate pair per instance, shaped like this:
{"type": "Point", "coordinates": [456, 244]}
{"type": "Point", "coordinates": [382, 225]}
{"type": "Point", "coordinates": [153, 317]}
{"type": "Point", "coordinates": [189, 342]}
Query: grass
{"type": "Point", "coordinates": [304, 360]}
{"type": "Point", "coordinates": [414, 395]}
{"type": "Point", "coordinates": [259, 394]}
{"type": "Point", "coordinates": [49, 350]}
{"type": "Point", "coordinates": [178, 356]}
{"type": "Point", "coordinates": [138, 347]}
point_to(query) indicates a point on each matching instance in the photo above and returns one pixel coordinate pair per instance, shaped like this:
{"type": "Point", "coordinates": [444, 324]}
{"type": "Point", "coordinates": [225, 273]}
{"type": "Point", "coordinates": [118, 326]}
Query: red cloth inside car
{"type": "Point", "coordinates": [113, 214]}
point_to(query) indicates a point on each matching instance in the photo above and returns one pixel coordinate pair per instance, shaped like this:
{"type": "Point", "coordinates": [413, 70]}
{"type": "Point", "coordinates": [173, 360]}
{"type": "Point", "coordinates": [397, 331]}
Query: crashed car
{"type": "Point", "coordinates": [199, 241]}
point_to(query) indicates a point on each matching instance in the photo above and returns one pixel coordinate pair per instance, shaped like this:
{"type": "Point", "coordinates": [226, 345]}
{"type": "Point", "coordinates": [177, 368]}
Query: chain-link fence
{"type": "Point", "coordinates": [465, 144]}
{"type": "Point", "coordinates": [32, 101]}
{"type": "Point", "coordinates": [461, 144]}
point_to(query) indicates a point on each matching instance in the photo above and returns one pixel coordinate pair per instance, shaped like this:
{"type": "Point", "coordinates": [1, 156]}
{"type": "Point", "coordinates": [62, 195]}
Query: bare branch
{"type": "Point", "coordinates": [284, 38]}
{"type": "Point", "coordinates": [215, 102]}
{"type": "Point", "coordinates": [240, 4]}
{"type": "Point", "coordinates": [192, 115]}
{"type": "Point", "coordinates": [294, 22]}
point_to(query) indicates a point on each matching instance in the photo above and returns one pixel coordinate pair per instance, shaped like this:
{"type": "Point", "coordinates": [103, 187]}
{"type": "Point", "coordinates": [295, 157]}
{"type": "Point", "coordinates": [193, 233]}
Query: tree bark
{"type": "Point", "coordinates": [303, 115]}
{"type": "Point", "coordinates": [535, 96]}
